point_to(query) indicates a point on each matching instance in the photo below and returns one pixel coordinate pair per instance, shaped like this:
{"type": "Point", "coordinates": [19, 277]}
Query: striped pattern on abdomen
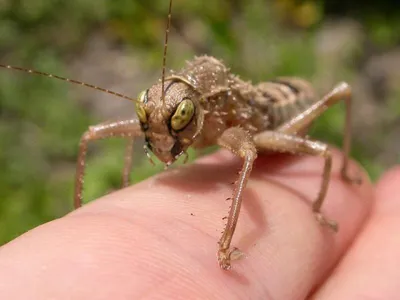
{"type": "Point", "coordinates": [285, 97]}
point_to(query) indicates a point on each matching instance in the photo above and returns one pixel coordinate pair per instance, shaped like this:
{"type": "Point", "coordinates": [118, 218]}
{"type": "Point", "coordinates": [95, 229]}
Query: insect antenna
{"type": "Point", "coordinates": [67, 80]}
{"type": "Point", "coordinates": [165, 53]}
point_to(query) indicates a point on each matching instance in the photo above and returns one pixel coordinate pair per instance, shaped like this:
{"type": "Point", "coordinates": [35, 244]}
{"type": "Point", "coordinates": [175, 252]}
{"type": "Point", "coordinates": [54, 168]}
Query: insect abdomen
{"type": "Point", "coordinates": [285, 97]}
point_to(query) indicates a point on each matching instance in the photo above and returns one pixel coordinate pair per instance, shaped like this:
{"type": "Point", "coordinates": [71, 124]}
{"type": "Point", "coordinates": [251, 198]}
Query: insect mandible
{"type": "Point", "coordinates": [202, 105]}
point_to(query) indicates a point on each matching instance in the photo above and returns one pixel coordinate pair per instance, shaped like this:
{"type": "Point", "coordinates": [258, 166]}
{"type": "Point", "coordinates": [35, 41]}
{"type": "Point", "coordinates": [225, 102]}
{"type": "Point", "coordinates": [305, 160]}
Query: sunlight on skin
{"type": "Point", "coordinates": [163, 233]}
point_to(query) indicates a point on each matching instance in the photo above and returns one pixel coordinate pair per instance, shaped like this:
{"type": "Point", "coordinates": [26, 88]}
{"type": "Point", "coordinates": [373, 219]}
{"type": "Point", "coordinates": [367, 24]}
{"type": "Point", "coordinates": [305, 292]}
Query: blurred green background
{"type": "Point", "coordinates": [117, 44]}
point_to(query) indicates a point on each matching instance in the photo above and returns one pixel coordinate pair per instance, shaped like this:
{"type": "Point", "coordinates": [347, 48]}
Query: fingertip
{"type": "Point", "coordinates": [390, 179]}
{"type": "Point", "coordinates": [277, 231]}
{"type": "Point", "coordinates": [388, 191]}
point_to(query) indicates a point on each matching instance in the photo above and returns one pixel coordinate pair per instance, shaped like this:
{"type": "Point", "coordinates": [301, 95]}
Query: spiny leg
{"type": "Point", "coordinates": [240, 143]}
{"type": "Point", "coordinates": [342, 91]}
{"type": "Point", "coordinates": [289, 142]}
{"type": "Point", "coordinates": [127, 157]}
{"type": "Point", "coordinates": [124, 128]}
{"type": "Point", "coordinates": [127, 163]}
{"type": "Point", "coordinates": [282, 142]}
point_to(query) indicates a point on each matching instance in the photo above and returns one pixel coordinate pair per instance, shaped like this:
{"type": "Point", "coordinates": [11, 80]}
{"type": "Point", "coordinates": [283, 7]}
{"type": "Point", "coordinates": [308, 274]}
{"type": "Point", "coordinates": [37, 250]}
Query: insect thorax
{"type": "Point", "coordinates": [229, 101]}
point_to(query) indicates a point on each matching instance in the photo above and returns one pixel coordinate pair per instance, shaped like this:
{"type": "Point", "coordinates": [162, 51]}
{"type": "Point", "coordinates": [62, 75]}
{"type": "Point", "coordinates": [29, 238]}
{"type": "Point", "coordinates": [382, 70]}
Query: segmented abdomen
{"type": "Point", "coordinates": [284, 98]}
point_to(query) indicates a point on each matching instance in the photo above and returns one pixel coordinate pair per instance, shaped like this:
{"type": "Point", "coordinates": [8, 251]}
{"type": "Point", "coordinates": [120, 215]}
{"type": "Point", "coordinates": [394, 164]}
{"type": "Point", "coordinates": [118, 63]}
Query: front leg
{"type": "Point", "coordinates": [127, 163]}
{"type": "Point", "coordinates": [121, 128]}
{"type": "Point", "coordinates": [240, 143]}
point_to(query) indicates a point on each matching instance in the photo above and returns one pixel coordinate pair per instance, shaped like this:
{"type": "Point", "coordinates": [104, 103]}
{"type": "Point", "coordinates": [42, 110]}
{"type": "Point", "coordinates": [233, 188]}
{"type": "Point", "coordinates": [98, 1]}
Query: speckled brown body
{"type": "Point", "coordinates": [229, 101]}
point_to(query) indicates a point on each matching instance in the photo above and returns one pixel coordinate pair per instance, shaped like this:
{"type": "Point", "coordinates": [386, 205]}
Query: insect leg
{"type": "Point", "coordinates": [342, 91]}
{"type": "Point", "coordinates": [282, 142]}
{"type": "Point", "coordinates": [127, 163]}
{"type": "Point", "coordinates": [127, 157]}
{"type": "Point", "coordinates": [240, 143]}
{"type": "Point", "coordinates": [124, 128]}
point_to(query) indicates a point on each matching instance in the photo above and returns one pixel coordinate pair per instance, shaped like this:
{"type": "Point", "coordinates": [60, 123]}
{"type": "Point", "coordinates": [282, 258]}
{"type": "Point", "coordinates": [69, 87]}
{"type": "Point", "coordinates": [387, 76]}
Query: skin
{"type": "Point", "coordinates": [156, 239]}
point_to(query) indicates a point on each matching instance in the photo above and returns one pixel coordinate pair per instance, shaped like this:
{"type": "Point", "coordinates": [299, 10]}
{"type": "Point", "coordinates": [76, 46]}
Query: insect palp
{"type": "Point", "coordinates": [146, 151]}
{"type": "Point", "coordinates": [186, 157]}
{"type": "Point", "coordinates": [166, 165]}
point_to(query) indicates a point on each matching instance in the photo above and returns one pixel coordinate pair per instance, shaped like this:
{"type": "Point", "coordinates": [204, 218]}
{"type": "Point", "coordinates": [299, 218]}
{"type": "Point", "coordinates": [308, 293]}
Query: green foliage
{"type": "Point", "coordinates": [40, 123]}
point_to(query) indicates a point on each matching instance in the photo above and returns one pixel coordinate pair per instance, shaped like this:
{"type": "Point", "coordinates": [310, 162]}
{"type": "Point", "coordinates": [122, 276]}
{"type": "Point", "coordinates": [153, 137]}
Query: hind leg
{"type": "Point", "coordinates": [342, 91]}
{"type": "Point", "coordinates": [288, 138]}
{"type": "Point", "coordinates": [282, 142]}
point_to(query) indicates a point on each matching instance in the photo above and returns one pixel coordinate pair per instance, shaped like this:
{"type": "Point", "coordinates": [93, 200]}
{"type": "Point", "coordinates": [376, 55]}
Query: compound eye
{"type": "Point", "coordinates": [140, 111]}
{"type": "Point", "coordinates": [142, 97]}
{"type": "Point", "coordinates": [183, 115]}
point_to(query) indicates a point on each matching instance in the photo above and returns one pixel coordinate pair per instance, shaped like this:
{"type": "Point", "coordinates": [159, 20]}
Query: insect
{"type": "Point", "coordinates": [204, 104]}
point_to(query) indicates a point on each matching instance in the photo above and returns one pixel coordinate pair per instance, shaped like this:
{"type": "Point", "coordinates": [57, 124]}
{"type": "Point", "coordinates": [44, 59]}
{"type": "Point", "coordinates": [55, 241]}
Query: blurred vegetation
{"type": "Point", "coordinates": [41, 123]}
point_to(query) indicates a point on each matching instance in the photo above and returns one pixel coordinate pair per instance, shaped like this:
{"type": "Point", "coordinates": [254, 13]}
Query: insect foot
{"type": "Point", "coordinates": [351, 179]}
{"type": "Point", "coordinates": [326, 222]}
{"type": "Point", "coordinates": [225, 256]}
